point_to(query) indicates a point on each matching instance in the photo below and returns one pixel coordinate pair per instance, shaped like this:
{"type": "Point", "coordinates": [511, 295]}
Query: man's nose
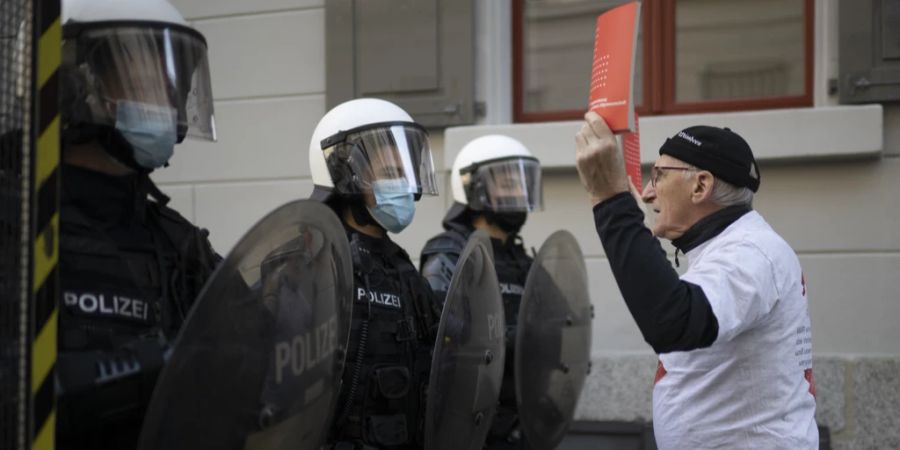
{"type": "Point", "coordinates": [649, 193]}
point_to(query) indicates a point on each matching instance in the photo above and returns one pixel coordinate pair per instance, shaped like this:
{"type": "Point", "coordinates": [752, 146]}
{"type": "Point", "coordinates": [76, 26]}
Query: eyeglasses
{"type": "Point", "coordinates": [656, 171]}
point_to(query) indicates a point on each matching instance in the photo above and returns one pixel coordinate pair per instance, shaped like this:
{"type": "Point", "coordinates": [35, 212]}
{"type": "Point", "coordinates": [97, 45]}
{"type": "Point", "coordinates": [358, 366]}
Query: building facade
{"type": "Point", "coordinates": [830, 174]}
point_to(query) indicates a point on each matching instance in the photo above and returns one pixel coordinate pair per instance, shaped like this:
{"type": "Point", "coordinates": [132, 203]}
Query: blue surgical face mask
{"type": "Point", "coordinates": [394, 206]}
{"type": "Point", "coordinates": [150, 129]}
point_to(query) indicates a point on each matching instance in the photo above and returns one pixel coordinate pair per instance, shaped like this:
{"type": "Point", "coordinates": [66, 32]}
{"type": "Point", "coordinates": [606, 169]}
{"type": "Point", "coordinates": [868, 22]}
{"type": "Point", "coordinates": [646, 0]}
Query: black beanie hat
{"type": "Point", "coordinates": [718, 150]}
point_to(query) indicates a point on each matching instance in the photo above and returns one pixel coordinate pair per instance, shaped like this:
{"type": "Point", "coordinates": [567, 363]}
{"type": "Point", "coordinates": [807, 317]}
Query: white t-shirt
{"type": "Point", "coordinates": [753, 388]}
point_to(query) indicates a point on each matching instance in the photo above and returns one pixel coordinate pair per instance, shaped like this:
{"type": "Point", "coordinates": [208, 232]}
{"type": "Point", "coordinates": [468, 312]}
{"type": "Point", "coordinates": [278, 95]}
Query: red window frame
{"type": "Point", "coordinates": [658, 24]}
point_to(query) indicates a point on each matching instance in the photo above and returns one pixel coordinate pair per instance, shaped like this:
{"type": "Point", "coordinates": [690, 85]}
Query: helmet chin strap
{"type": "Point", "coordinates": [153, 189]}
{"type": "Point", "coordinates": [361, 214]}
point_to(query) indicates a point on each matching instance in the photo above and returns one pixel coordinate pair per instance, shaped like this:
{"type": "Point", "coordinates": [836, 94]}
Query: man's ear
{"type": "Point", "coordinates": [703, 187]}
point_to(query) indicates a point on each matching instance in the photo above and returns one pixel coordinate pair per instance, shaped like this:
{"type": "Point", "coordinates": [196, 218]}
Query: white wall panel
{"type": "Point", "coordinates": [566, 206]}
{"type": "Point", "coordinates": [258, 139]}
{"type": "Point", "coordinates": [266, 55]}
{"type": "Point", "coordinates": [854, 303]}
{"type": "Point", "coordinates": [834, 207]}
{"type": "Point", "coordinates": [614, 328]}
{"type": "Point", "coordinates": [229, 210]}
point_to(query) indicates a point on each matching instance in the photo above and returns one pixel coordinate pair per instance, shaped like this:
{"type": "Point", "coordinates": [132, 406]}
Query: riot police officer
{"type": "Point", "coordinates": [134, 81]}
{"type": "Point", "coordinates": [370, 162]}
{"type": "Point", "coordinates": [496, 182]}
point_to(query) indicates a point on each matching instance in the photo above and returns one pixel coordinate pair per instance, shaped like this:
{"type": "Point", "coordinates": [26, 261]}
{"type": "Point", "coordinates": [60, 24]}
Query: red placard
{"type": "Point", "coordinates": [612, 73]}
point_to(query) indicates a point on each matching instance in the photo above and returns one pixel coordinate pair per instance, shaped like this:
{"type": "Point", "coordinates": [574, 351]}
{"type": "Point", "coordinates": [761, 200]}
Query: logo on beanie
{"type": "Point", "coordinates": [689, 138]}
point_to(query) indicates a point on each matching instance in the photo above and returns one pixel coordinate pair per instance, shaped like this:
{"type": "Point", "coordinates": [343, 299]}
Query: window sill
{"type": "Point", "coordinates": [802, 134]}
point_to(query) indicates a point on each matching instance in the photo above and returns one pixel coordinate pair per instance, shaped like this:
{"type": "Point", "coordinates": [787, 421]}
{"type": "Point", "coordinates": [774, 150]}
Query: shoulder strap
{"type": "Point", "coordinates": [189, 240]}
{"type": "Point", "coordinates": [196, 258]}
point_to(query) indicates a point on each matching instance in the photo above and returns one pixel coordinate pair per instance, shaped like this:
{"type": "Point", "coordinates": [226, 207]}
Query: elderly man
{"type": "Point", "coordinates": [733, 333]}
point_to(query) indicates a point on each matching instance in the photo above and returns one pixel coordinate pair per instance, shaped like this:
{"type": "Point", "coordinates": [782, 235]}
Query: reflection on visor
{"type": "Point", "coordinates": [359, 158]}
{"type": "Point", "coordinates": [505, 185]}
{"type": "Point", "coordinates": [164, 66]}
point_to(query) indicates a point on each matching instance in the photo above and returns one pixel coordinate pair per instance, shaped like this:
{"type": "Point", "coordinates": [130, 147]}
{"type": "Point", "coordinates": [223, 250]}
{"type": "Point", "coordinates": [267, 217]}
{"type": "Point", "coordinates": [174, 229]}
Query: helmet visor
{"type": "Point", "coordinates": [158, 64]}
{"type": "Point", "coordinates": [396, 152]}
{"type": "Point", "coordinates": [504, 185]}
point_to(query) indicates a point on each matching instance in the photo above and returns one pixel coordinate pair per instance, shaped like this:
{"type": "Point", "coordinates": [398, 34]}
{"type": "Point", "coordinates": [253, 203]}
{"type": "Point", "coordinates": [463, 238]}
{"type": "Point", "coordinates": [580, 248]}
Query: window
{"type": "Point", "coordinates": [693, 56]}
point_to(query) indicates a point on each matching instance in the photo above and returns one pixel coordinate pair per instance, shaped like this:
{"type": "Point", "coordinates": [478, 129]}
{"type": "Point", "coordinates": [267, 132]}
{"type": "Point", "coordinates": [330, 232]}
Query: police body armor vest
{"type": "Point", "coordinates": [511, 262]}
{"type": "Point", "coordinates": [126, 289]}
{"type": "Point", "coordinates": [382, 401]}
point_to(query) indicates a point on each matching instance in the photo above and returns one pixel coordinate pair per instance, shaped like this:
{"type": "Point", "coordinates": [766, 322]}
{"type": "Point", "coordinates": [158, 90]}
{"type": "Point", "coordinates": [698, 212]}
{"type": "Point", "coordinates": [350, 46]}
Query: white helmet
{"type": "Point", "coordinates": [366, 140]}
{"type": "Point", "coordinates": [497, 173]}
{"type": "Point", "coordinates": [86, 11]}
{"type": "Point", "coordinates": [135, 61]}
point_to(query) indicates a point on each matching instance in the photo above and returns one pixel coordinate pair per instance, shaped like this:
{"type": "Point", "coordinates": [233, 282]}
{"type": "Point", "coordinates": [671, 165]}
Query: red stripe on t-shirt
{"type": "Point", "coordinates": [808, 374]}
{"type": "Point", "coordinates": [660, 372]}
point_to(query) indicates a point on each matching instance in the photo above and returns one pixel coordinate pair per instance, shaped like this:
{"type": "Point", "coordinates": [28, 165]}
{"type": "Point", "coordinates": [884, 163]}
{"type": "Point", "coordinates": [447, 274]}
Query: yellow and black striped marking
{"type": "Point", "coordinates": [45, 222]}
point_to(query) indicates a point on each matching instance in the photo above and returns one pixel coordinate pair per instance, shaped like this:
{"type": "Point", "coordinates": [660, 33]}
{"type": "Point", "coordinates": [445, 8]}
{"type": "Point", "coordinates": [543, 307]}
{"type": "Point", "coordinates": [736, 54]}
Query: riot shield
{"type": "Point", "coordinates": [258, 362]}
{"type": "Point", "coordinates": [553, 343]}
{"type": "Point", "coordinates": [467, 366]}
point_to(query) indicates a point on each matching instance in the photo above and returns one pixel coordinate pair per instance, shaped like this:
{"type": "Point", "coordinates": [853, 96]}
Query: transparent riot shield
{"type": "Point", "coordinates": [553, 343]}
{"type": "Point", "coordinates": [258, 362]}
{"type": "Point", "coordinates": [467, 366]}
